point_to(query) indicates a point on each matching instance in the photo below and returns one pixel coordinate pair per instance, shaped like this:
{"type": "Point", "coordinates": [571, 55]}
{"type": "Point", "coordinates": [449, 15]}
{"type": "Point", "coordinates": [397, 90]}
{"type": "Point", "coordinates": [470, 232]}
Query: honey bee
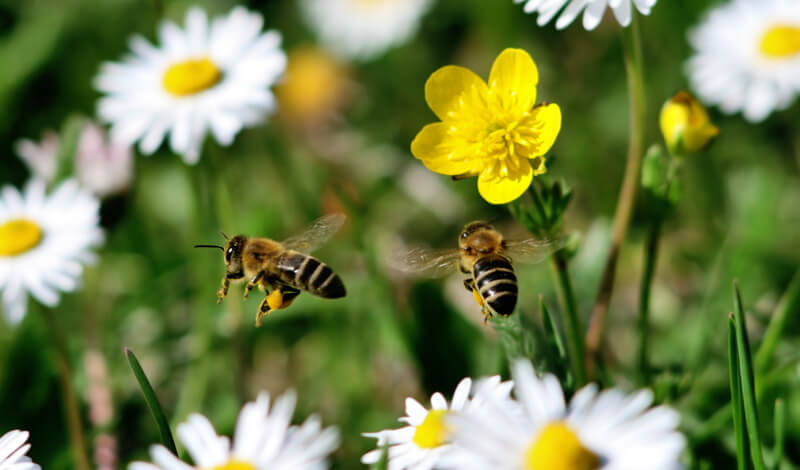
{"type": "Point", "coordinates": [486, 257]}
{"type": "Point", "coordinates": [284, 267]}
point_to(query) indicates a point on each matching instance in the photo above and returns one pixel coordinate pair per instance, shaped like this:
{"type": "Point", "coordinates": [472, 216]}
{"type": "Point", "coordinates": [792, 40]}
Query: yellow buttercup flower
{"type": "Point", "coordinates": [686, 125]}
{"type": "Point", "coordinates": [494, 131]}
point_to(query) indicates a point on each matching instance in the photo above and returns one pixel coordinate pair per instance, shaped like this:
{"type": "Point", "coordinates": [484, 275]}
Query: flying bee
{"type": "Point", "coordinates": [486, 257]}
{"type": "Point", "coordinates": [281, 269]}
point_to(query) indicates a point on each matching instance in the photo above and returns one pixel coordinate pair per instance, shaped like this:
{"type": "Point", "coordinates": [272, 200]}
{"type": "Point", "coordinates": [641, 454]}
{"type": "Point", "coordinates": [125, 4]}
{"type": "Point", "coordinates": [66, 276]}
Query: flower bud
{"type": "Point", "coordinates": [41, 157]}
{"type": "Point", "coordinates": [105, 168]}
{"type": "Point", "coordinates": [686, 125]}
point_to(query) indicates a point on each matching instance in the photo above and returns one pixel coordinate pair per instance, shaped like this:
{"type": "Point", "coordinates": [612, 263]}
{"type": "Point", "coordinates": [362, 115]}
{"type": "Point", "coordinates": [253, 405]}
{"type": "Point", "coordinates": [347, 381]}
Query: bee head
{"type": "Point", "coordinates": [479, 237]}
{"type": "Point", "coordinates": [233, 256]}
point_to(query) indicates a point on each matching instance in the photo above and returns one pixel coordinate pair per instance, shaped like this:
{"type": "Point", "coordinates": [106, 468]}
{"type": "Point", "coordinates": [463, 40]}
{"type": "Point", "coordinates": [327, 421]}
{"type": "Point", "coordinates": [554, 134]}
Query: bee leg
{"type": "Point", "coordinates": [289, 294]}
{"type": "Point", "coordinates": [223, 290]}
{"type": "Point", "coordinates": [253, 283]}
{"type": "Point", "coordinates": [272, 301]}
{"type": "Point", "coordinates": [469, 284]}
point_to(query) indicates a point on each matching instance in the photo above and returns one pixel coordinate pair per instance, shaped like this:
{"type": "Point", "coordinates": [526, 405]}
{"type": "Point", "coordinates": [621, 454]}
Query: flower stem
{"type": "Point", "coordinates": [630, 183]}
{"type": "Point", "coordinates": [566, 297]}
{"type": "Point", "coordinates": [650, 257]}
{"type": "Point", "coordinates": [788, 304]}
{"type": "Point", "coordinates": [72, 410]}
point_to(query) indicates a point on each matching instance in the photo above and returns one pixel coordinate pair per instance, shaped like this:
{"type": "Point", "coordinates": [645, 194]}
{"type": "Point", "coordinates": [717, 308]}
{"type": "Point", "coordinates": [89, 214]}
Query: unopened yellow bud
{"type": "Point", "coordinates": [686, 125]}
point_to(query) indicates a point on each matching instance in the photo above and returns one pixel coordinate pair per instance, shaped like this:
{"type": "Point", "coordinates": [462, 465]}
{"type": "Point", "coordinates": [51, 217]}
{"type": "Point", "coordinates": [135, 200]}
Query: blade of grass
{"type": "Point", "coordinates": [780, 433]}
{"type": "Point", "coordinates": [152, 402]}
{"type": "Point", "coordinates": [742, 450]}
{"type": "Point", "coordinates": [789, 304]}
{"type": "Point", "coordinates": [552, 330]}
{"type": "Point", "coordinates": [747, 381]}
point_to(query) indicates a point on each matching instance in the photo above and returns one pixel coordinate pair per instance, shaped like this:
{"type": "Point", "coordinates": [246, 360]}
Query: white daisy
{"type": "Point", "coordinates": [747, 57]}
{"type": "Point", "coordinates": [209, 77]}
{"type": "Point", "coordinates": [593, 10]}
{"type": "Point", "coordinates": [596, 431]}
{"type": "Point", "coordinates": [13, 447]}
{"type": "Point", "coordinates": [363, 29]}
{"type": "Point", "coordinates": [425, 443]}
{"type": "Point", "coordinates": [44, 241]}
{"type": "Point", "coordinates": [263, 440]}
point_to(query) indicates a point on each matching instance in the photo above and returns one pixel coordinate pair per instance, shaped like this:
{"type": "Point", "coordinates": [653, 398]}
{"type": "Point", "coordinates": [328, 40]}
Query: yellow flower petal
{"type": "Point", "coordinates": [453, 91]}
{"type": "Point", "coordinates": [547, 122]}
{"type": "Point", "coordinates": [500, 190]}
{"type": "Point", "coordinates": [512, 82]}
{"type": "Point", "coordinates": [439, 151]}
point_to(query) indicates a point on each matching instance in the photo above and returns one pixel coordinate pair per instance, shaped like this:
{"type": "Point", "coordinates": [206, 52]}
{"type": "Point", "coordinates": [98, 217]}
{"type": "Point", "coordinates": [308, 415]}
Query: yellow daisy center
{"type": "Point", "coordinates": [558, 448]}
{"type": "Point", "coordinates": [191, 76]}
{"type": "Point", "coordinates": [781, 41]}
{"type": "Point", "coordinates": [235, 465]}
{"type": "Point", "coordinates": [18, 236]}
{"type": "Point", "coordinates": [432, 432]}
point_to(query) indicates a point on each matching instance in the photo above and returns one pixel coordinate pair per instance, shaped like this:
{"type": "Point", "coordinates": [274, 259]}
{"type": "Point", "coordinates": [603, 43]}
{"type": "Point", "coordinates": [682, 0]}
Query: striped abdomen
{"type": "Point", "coordinates": [310, 274]}
{"type": "Point", "coordinates": [496, 283]}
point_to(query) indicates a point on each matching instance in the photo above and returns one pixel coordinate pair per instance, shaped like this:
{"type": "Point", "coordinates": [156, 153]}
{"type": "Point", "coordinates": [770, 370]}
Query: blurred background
{"type": "Point", "coordinates": [340, 143]}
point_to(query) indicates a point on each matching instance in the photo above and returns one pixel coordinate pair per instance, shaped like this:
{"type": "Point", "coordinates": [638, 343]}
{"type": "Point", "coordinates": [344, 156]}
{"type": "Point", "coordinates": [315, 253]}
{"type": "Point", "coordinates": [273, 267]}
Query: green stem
{"type": "Point", "coordinates": [566, 298]}
{"type": "Point", "coordinates": [788, 304]}
{"type": "Point", "coordinates": [630, 183]}
{"type": "Point", "coordinates": [650, 258]}
{"type": "Point", "coordinates": [72, 408]}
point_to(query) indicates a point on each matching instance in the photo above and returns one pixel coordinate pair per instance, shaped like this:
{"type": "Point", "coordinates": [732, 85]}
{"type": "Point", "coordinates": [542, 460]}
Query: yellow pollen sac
{"type": "Point", "coordinates": [558, 448]}
{"type": "Point", "coordinates": [18, 236]}
{"type": "Point", "coordinates": [432, 432]}
{"type": "Point", "coordinates": [235, 465]}
{"type": "Point", "coordinates": [191, 76]}
{"type": "Point", "coordinates": [781, 41]}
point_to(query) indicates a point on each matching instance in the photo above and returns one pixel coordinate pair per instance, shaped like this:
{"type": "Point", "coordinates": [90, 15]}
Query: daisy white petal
{"type": "Point", "coordinates": [13, 447]}
{"type": "Point", "coordinates": [264, 440]}
{"type": "Point", "coordinates": [593, 11]}
{"type": "Point", "coordinates": [605, 431]}
{"type": "Point", "coordinates": [363, 29]}
{"type": "Point", "coordinates": [44, 240]}
{"type": "Point", "coordinates": [425, 444]}
{"type": "Point", "coordinates": [209, 75]}
{"type": "Point", "coordinates": [747, 57]}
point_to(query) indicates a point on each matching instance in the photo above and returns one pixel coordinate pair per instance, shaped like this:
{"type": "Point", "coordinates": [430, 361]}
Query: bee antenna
{"type": "Point", "coordinates": [210, 246]}
{"type": "Point", "coordinates": [224, 236]}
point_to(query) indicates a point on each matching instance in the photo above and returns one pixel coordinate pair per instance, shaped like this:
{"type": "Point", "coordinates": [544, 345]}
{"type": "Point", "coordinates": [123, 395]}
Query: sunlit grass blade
{"type": "Point", "coordinates": [780, 433]}
{"type": "Point", "coordinates": [747, 381]}
{"type": "Point", "coordinates": [789, 303]}
{"type": "Point", "coordinates": [552, 330]}
{"type": "Point", "coordinates": [742, 448]}
{"type": "Point", "coordinates": [152, 402]}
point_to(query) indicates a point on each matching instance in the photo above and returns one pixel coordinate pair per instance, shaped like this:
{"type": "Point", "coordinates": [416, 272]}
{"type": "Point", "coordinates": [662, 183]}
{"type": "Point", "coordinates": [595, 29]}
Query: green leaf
{"type": "Point", "coordinates": [152, 402]}
{"type": "Point", "coordinates": [780, 433]}
{"type": "Point", "coordinates": [742, 448]}
{"type": "Point", "coordinates": [747, 381]}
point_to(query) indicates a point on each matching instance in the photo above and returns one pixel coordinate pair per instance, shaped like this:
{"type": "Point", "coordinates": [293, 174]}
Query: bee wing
{"type": "Point", "coordinates": [319, 232]}
{"type": "Point", "coordinates": [426, 262]}
{"type": "Point", "coordinates": [533, 250]}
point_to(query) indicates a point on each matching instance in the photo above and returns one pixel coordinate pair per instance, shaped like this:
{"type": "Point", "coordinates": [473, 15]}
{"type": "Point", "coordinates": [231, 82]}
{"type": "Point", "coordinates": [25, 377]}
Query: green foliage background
{"type": "Point", "coordinates": [355, 360]}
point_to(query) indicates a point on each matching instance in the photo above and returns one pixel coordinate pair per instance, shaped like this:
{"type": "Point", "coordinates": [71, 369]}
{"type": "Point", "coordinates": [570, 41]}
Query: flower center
{"type": "Point", "coordinates": [781, 41]}
{"type": "Point", "coordinates": [235, 465]}
{"type": "Point", "coordinates": [558, 448]}
{"type": "Point", "coordinates": [432, 432]}
{"type": "Point", "coordinates": [18, 236]}
{"type": "Point", "coordinates": [507, 145]}
{"type": "Point", "coordinates": [191, 76]}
